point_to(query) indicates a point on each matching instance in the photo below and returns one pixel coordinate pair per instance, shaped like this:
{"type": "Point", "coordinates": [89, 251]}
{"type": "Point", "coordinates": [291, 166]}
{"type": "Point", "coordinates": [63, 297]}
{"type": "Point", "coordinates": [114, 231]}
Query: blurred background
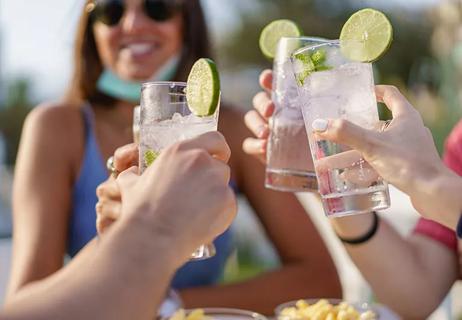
{"type": "Point", "coordinates": [425, 62]}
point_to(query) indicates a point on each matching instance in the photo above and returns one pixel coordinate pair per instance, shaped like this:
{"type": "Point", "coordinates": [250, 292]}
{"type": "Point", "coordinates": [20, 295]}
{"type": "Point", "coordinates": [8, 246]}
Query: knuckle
{"type": "Point", "coordinates": [199, 155]}
{"type": "Point", "coordinates": [260, 100]}
{"type": "Point", "coordinates": [393, 88]}
{"type": "Point", "coordinates": [340, 126]}
{"type": "Point", "coordinates": [256, 99]}
{"type": "Point", "coordinates": [101, 190]}
{"type": "Point", "coordinates": [369, 147]}
{"type": "Point", "coordinates": [249, 116]}
{"type": "Point", "coordinates": [99, 208]}
{"type": "Point", "coordinates": [218, 136]}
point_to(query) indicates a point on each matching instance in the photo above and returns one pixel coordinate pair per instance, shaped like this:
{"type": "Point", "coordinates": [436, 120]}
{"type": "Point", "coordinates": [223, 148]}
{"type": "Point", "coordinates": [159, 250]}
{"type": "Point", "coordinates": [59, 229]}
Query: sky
{"type": "Point", "coordinates": [36, 37]}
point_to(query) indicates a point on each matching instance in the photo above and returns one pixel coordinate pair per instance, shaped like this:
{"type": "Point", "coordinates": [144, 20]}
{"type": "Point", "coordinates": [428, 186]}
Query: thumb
{"type": "Point", "coordinates": [344, 132]}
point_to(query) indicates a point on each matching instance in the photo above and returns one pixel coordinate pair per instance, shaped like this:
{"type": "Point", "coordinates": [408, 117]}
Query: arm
{"type": "Point", "coordinates": [404, 154]}
{"type": "Point", "coordinates": [307, 269]}
{"type": "Point", "coordinates": [410, 275]}
{"type": "Point", "coordinates": [125, 276]}
{"type": "Point", "coordinates": [94, 284]}
{"type": "Point", "coordinates": [42, 193]}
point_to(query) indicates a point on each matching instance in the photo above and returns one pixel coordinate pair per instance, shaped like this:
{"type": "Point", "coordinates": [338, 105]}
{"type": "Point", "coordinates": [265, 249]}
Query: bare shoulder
{"type": "Point", "coordinates": [55, 121]}
{"type": "Point", "coordinates": [55, 127]}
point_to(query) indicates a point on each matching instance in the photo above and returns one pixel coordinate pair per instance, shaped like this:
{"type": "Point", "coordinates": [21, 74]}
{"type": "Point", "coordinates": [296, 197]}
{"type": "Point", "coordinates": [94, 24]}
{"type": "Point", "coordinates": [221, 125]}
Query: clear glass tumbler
{"type": "Point", "coordinates": [136, 124]}
{"type": "Point", "coordinates": [289, 165]}
{"type": "Point", "coordinates": [339, 88]}
{"type": "Point", "coordinates": [166, 119]}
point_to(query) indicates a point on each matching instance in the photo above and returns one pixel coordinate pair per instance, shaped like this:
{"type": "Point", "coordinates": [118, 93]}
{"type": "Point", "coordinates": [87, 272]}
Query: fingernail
{"type": "Point", "coordinates": [320, 125]}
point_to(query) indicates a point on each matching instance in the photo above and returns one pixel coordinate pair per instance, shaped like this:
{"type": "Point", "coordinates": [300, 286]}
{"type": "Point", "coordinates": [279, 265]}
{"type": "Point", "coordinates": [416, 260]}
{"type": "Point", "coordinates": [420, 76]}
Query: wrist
{"type": "Point", "coordinates": [351, 227]}
{"type": "Point", "coordinates": [151, 246]}
{"type": "Point", "coordinates": [162, 233]}
{"type": "Point", "coordinates": [440, 198]}
{"type": "Point", "coordinates": [365, 237]}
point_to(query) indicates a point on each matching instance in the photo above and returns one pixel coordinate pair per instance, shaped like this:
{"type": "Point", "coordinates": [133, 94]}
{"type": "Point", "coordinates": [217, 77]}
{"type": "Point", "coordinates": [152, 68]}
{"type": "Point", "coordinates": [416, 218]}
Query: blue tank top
{"type": "Point", "coordinates": [82, 226]}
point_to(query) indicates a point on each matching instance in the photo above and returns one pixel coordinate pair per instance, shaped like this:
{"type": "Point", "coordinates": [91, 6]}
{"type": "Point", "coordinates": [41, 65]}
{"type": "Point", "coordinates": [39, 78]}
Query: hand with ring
{"type": "Point", "coordinates": [109, 204]}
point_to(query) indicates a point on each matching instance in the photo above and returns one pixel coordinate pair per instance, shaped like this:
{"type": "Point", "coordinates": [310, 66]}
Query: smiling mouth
{"type": "Point", "coordinates": [140, 49]}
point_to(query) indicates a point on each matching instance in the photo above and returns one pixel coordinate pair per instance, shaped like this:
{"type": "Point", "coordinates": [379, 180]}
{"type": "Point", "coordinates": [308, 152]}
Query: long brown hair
{"type": "Point", "coordinates": [88, 66]}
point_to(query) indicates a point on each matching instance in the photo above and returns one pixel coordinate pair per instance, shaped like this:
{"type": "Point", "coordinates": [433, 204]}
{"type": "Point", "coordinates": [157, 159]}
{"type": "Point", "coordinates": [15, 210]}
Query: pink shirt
{"type": "Point", "coordinates": [453, 159]}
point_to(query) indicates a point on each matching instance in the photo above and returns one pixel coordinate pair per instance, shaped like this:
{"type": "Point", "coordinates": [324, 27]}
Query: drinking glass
{"type": "Point", "coordinates": [289, 165]}
{"type": "Point", "coordinates": [165, 119]}
{"type": "Point", "coordinates": [340, 88]}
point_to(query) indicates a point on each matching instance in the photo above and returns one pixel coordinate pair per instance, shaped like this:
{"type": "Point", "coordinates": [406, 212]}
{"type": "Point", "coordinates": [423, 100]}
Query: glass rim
{"type": "Point", "coordinates": [307, 38]}
{"type": "Point", "coordinates": [163, 83]}
{"type": "Point", "coordinates": [232, 311]}
{"type": "Point", "coordinates": [327, 42]}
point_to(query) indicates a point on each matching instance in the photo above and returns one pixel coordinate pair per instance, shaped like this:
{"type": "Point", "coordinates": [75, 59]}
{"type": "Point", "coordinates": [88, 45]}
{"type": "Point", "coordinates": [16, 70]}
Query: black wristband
{"type": "Point", "coordinates": [367, 236]}
{"type": "Point", "coordinates": [459, 227]}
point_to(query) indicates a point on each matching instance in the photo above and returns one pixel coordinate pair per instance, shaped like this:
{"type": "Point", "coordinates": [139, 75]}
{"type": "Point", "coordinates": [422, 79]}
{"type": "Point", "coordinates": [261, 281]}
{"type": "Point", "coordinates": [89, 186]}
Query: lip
{"type": "Point", "coordinates": [139, 50]}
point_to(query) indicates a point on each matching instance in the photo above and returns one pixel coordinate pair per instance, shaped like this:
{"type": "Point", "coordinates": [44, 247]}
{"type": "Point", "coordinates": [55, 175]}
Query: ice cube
{"type": "Point", "coordinates": [177, 117]}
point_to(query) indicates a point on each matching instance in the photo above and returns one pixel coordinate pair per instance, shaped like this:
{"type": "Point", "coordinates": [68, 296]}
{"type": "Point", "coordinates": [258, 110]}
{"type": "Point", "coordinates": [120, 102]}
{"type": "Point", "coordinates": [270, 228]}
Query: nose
{"type": "Point", "coordinates": [134, 20]}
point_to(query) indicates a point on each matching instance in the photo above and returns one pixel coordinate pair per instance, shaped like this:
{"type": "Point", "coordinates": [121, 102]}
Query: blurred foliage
{"type": "Point", "coordinates": [325, 19]}
{"type": "Point", "coordinates": [413, 63]}
{"type": "Point", "coordinates": [12, 115]}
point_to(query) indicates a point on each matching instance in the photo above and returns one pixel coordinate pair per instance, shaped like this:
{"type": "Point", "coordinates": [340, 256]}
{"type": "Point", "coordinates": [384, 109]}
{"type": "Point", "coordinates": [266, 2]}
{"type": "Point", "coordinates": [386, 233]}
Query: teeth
{"type": "Point", "coordinates": [140, 48]}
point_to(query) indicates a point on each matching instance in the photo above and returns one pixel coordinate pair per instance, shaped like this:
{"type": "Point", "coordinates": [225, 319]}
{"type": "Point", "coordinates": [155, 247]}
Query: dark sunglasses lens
{"type": "Point", "coordinates": [109, 12]}
{"type": "Point", "coordinates": [160, 10]}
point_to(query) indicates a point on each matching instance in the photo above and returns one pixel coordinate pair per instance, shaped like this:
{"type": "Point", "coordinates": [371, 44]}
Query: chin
{"type": "Point", "coordinates": [136, 75]}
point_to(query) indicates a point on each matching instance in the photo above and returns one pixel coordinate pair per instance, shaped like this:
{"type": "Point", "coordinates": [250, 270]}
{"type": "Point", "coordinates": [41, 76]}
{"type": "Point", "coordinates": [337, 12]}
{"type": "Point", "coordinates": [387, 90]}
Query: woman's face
{"type": "Point", "coordinates": [138, 46]}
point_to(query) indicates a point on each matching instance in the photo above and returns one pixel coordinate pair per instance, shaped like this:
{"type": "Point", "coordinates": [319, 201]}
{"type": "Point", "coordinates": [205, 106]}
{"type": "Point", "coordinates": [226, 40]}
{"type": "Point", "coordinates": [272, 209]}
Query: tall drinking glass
{"type": "Point", "coordinates": [166, 119]}
{"type": "Point", "coordinates": [136, 124]}
{"type": "Point", "coordinates": [339, 89]}
{"type": "Point", "coordinates": [289, 165]}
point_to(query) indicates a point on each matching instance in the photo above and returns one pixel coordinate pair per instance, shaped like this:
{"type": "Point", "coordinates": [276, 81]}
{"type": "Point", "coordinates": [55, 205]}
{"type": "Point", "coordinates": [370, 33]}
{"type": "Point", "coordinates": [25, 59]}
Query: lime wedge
{"type": "Point", "coordinates": [273, 32]}
{"type": "Point", "coordinates": [149, 157]}
{"type": "Point", "coordinates": [203, 88]}
{"type": "Point", "coordinates": [366, 36]}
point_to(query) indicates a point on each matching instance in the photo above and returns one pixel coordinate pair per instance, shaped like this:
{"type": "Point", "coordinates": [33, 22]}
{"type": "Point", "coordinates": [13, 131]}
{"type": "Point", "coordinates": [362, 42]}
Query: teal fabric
{"type": "Point", "coordinates": [112, 85]}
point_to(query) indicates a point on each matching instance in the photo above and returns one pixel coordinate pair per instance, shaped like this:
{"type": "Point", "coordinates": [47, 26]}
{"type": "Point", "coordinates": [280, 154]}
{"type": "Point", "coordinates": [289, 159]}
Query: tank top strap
{"type": "Point", "coordinates": [88, 120]}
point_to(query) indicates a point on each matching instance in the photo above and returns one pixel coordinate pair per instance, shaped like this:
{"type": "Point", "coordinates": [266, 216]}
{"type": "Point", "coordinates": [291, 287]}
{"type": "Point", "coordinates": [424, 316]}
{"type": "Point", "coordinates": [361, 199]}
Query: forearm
{"type": "Point", "coordinates": [126, 279]}
{"type": "Point", "coordinates": [81, 260]}
{"type": "Point", "coordinates": [440, 198]}
{"type": "Point", "coordinates": [263, 293]}
{"type": "Point", "coordinates": [402, 273]}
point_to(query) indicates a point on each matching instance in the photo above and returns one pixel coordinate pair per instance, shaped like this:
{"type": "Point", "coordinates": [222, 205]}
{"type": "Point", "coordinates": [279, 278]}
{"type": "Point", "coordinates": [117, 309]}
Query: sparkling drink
{"type": "Point", "coordinates": [136, 124]}
{"type": "Point", "coordinates": [289, 165]}
{"type": "Point", "coordinates": [166, 119]}
{"type": "Point", "coordinates": [164, 133]}
{"type": "Point", "coordinates": [340, 89]}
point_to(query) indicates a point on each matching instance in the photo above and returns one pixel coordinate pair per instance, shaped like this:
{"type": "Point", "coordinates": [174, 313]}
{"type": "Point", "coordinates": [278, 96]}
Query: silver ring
{"type": "Point", "coordinates": [110, 166]}
{"type": "Point", "coordinates": [385, 125]}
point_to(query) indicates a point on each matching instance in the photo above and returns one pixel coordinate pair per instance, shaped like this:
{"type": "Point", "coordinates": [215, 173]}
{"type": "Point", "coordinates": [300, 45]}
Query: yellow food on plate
{"type": "Point", "coordinates": [196, 314]}
{"type": "Point", "coordinates": [323, 310]}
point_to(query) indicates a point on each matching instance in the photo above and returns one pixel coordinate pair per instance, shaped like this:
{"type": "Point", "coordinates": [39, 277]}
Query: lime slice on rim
{"type": "Point", "coordinates": [273, 32]}
{"type": "Point", "coordinates": [366, 36]}
{"type": "Point", "coordinates": [149, 157]}
{"type": "Point", "coordinates": [203, 88]}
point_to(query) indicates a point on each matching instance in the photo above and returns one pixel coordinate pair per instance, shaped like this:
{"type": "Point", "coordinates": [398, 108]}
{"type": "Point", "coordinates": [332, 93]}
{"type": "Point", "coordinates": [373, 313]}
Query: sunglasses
{"type": "Point", "coordinates": [110, 12]}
